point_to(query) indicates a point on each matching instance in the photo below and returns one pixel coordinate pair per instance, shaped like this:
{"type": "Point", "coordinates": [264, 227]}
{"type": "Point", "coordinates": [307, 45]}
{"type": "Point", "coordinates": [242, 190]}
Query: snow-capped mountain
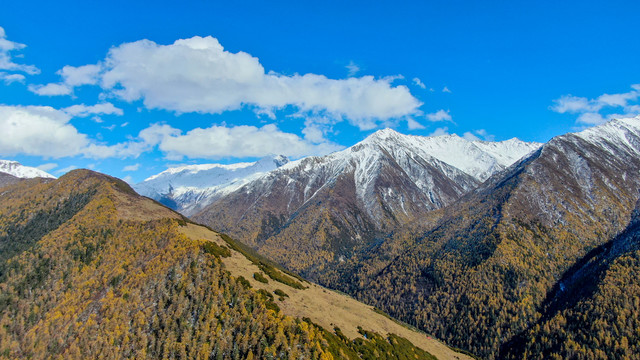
{"type": "Point", "coordinates": [333, 204]}
{"type": "Point", "coordinates": [20, 171]}
{"type": "Point", "coordinates": [189, 188]}
{"type": "Point", "coordinates": [527, 232]}
{"type": "Point", "coordinates": [480, 159]}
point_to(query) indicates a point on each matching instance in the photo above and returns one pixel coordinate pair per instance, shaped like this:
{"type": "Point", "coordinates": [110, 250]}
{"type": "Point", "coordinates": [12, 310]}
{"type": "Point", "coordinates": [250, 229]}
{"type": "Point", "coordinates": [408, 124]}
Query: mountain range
{"type": "Point", "coordinates": [491, 274]}
{"type": "Point", "coordinates": [509, 250]}
{"type": "Point", "coordinates": [311, 213]}
{"type": "Point", "coordinates": [190, 188]}
{"type": "Point", "coordinates": [503, 249]}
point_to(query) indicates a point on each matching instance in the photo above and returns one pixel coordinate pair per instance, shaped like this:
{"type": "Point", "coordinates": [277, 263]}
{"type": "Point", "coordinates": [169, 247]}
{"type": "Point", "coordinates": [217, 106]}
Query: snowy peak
{"type": "Point", "coordinates": [188, 188]}
{"type": "Point", "coordinates": [623, 132]}
{"type": "Point", "coordinates": [479, 159]}
{"type": "Point", "coordinates": [25, 172]}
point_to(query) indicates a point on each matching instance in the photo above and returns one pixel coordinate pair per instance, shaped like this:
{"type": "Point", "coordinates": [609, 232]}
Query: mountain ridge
{"type": "Point", "coordinates": [349, 199]}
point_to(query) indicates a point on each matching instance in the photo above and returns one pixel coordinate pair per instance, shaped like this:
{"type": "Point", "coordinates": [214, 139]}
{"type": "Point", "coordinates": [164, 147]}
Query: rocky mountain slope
{"type": "Point", "coordinates": [90, 269]}
{"type": "Point", "coordinates": [7, 179]}
{"type": "Point", "coordinates": [480, 275]}
{"type": "Point", "coordinates": [317, 211]}
{"type": "Point", "coordinates": [188, 189]}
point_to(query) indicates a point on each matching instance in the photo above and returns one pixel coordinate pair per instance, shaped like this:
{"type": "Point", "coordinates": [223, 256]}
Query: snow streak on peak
{"type": "Point", "coordinates": [18, 170]}
{"type": "Point", "coordinates": [624, 131]}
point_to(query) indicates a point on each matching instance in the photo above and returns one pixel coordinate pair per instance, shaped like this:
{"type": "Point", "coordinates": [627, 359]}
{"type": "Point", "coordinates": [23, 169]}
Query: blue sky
{"type": "Point", "coordinates": [129, 89]}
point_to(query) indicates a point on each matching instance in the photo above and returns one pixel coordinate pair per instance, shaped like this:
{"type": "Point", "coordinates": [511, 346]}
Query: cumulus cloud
{"type": "Point", "coordinates": [446, 90]}
{"type": "Point", "coordinates": [598, 110]}
{"type": "Point", "coordinates": [440, 115]}
{"type": "Point", "coordinates": [81, 75]}
{"type": "Point", "coordinates": [199, 75]}
{"type": "Point", "coordinates": [239, 141]}
{"type": "Point", "coordinates": [6, 62]}
{"type": "Point", "coordinates": [573, 104]}
{"type": "Point", "coordinates": [71, 77]}
{"type": "Point", "coordinates": [39, 131]}
{"type": "Point", "coordinates": [51, 89]}
{"type": "Point", "coordinates": [47, 132]}
{"type": "Point", "coordinates": [82, 110]}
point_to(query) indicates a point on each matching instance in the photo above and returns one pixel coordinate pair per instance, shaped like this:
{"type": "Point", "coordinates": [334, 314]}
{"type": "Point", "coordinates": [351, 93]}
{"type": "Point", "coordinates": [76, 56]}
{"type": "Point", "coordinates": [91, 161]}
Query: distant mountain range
{"type": "Point", "coordinates": [317, 211]}
{"type": "Point", "coordinates": [190, 188]}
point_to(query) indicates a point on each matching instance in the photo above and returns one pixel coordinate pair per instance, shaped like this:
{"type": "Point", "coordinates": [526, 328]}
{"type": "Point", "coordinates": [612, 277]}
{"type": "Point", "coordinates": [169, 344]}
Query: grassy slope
{"type": "Point", "coordinates": [316, 303]}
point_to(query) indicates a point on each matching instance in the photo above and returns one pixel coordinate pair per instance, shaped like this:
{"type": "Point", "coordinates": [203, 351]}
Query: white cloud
{"type": "Point", "coordinates": [478, 135]}
{"type": "Point", "coordinates": [440, 131]}
{"type": "Point", "coordinates": [419, 83]}
{"type": "Point", "coordinates": [128, 179]}
{"type": "Point", "coordinates": [446, 90]}
{"type": "Point", "coordinates": [353, 68]}
{"type": "Point", "coordinates": [470, 136]}
{"type": "Point", "coordinates": [6, 63]}
{"type": "Point", "coordinates": [239, 141]}
{"type": "Point", "coordinates": [83, 110]}
{"type": "Point", "coordinates": [591, 119]}
{"type": "Point", "coordinates": [313, 133]}
{"type": "Point", "coordinates": [81, 75]}
{"type": "Point", "coordinates": [573, 104]}
{"type": "Point", "coordinates": [47, 132]}
{"type": "Point", "coordinates": [198, 75]}
{"type": "Point", "coordinates": [440, 115]}
{"type": "Point", "coordinates": [47, 166]}
{"type": "Point", "coordinates": [66, 170]}
{"type": "Point", "coordinates": [599, 110]}
{"type": "Point", "coordinates": [51, 89]}
{"type": "Point", "coordinates": [413, 124]}
{"type": "Point", "coordinates": [39, 131]}
{"type": "Point", "coordinates": [134, 167]}
{"type": "Point", "coordinates": [11, 78]}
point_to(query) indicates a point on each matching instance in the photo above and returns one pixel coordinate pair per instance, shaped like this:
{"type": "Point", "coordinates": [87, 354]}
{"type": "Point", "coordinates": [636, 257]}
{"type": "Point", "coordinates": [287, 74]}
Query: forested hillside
{"type": "Point", "coordinates": [89, 269]}
{"type": "Point", "coordinates": [481, 274]}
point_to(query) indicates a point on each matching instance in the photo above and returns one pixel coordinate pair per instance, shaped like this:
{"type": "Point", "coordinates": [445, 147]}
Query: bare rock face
{"type": "Point", "coordinates": [318, 211]}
